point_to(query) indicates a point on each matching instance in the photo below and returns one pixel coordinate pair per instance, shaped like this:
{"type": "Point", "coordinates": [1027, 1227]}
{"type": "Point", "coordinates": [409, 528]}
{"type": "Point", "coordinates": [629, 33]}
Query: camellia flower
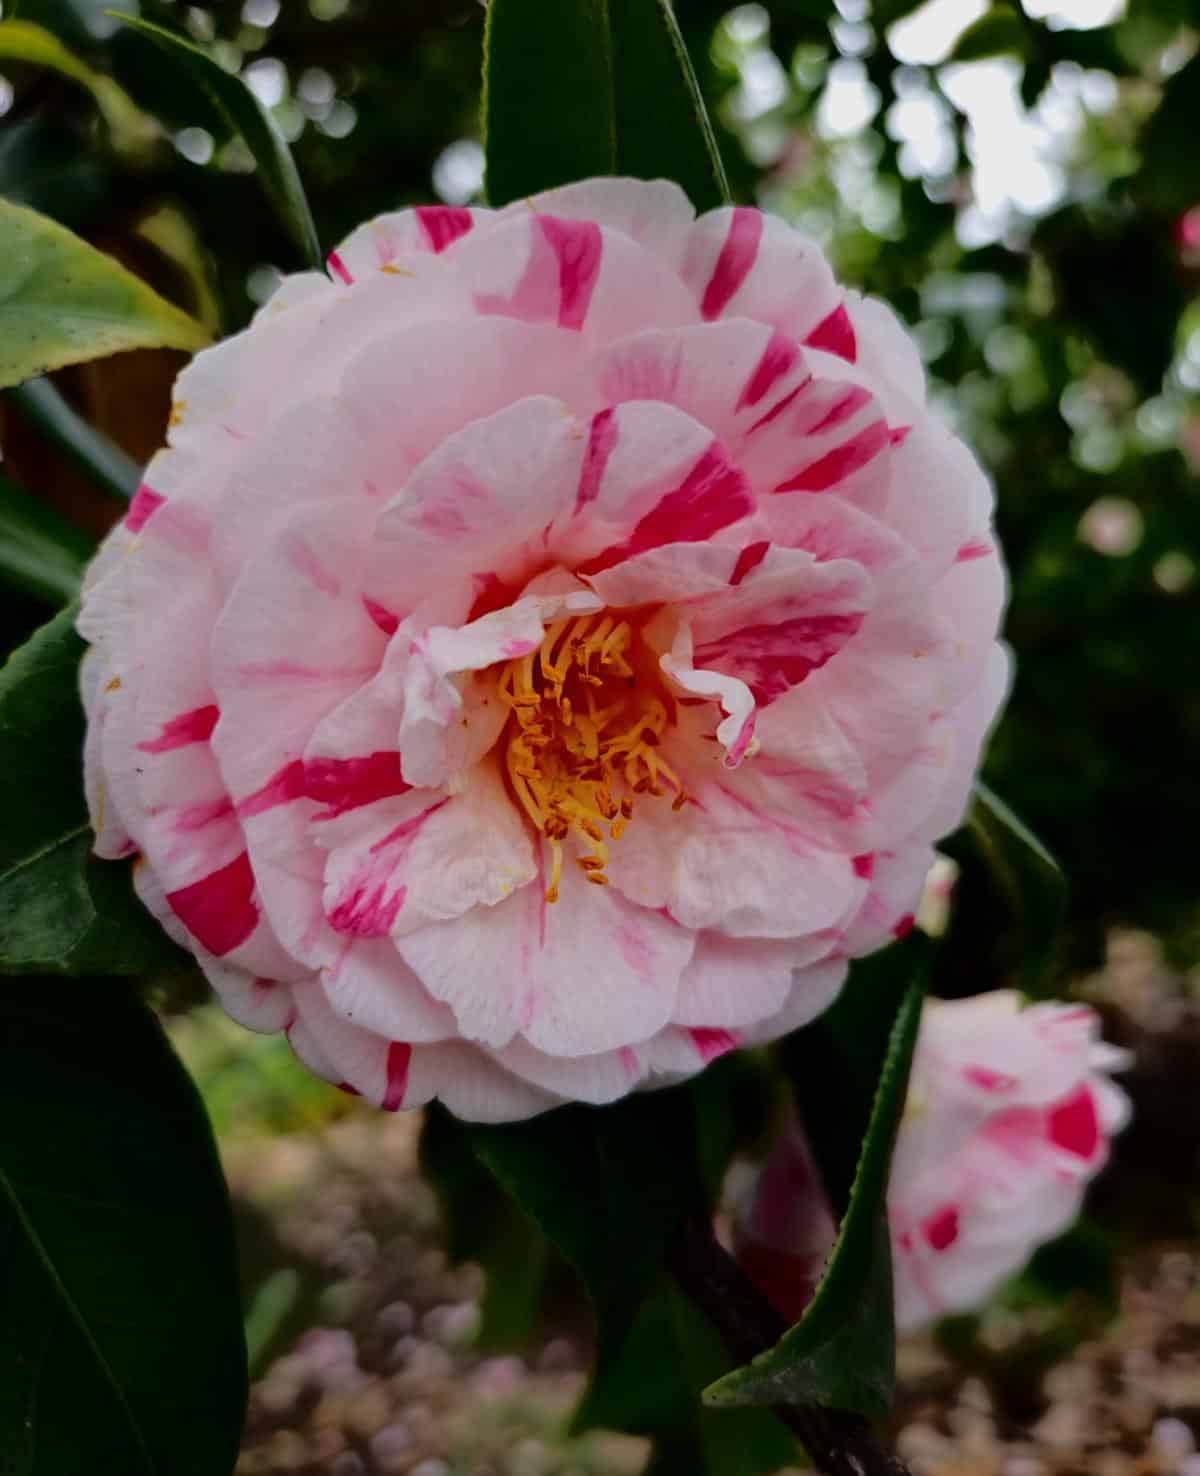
{"type": "Point", "coordinates": [546, 650]}
{"type": "Point", "coordinates": [1008, 1118]}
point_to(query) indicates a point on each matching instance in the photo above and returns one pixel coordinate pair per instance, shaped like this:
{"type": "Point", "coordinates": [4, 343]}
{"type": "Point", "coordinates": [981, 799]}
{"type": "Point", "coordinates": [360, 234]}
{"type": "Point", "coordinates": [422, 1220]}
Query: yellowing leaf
{"type": "Point", "coordinates": [62, 301]}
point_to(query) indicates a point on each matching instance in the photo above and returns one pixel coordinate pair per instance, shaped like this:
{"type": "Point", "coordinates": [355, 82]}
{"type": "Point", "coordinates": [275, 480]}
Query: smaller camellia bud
{"type": "Point", "coordinates": [1009, 1116]}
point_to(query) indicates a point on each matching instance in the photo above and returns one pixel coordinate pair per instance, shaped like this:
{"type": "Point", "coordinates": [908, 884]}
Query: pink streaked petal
{"type": "Point", "coordinates": [735, 732]}
{"type": "Point", "coordinates": [842, 462]}
{"type": "Point", "coordinates": [714, 494]}
{"type": "Point", "coordinates": [778, 360]}
{"type": "Point", "coordinates": [363, 893]}
{"type": "Point", "coordinates": [773, 657]}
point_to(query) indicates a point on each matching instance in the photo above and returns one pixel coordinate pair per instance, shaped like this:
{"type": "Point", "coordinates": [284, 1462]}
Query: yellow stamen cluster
{"type": "Point", "coordinates": [587, 720]}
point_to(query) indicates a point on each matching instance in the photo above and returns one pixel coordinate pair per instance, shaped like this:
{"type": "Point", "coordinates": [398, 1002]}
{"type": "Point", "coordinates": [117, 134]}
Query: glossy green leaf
{"type": "Point", "coordinates": [41, 553]}
{"type": "Point", "coordinates": [593, 87]}
{"type": "Point", "coordinates": [650, 1384]}
{"type": "Point", "coordinates": [132, 131]}
{"type": "Point", "coordinates": [247, 117]}
{"type": "Point", "coordinates": [121, 1339]}
{"type": "Point", "coordinates": [62, 301]}
{"type": "Point", "coordinates": [841, 1354]}
{"type": "Point", "coordinates": [61, 909]}
{"type": "Point", "coordinates": [997, 32]}
{"type": "Point", "coordinates": [38, 402]}
{"type": "Point", "coordinates": [1028, 876]}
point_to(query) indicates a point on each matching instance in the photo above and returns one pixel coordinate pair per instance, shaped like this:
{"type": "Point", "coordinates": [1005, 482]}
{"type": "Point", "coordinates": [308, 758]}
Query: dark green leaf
{"type": "Point", "coordinates": [884, 12]}
{"type": "Point", "coordinates": [121, 1339]}
{"type": "Point", "coordinates": [637, 1167]}
{"type": "Point", "coordinates": [842, 1352]}
{"type": "Point", "coordinates": [483, 1224]}
{"type": "Point", "coordinates": [608, 1187]}
{"type": "Point", "coordinates": [40, 403]}
{"type": "Point", "coordinates": [593, 87]}
{"type": "Point", "coordinates": [41, 553]}
{"type": "Point", "coordinates": [996, 32]}
{"type": "Point", "coordinates": [43, 166]}
{"type": "Point", "coordinates": [1168, 176]}
{"type": "Point", "coordinates": [1028, 877]}
{"type": "Point", "coordinates": [1087, 251]}
{"type": "Point", "coordinates": [247, 116]}
{"type": "Point", "coordinates": [650, 1384]}
{"type": "Point", "coordinates": [61, 910]}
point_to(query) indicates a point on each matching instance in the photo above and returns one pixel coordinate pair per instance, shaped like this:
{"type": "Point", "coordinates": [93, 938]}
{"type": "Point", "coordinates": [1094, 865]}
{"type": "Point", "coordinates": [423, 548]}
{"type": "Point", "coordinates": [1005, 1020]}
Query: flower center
{"type": "Point", "coordinates": [588, 713]}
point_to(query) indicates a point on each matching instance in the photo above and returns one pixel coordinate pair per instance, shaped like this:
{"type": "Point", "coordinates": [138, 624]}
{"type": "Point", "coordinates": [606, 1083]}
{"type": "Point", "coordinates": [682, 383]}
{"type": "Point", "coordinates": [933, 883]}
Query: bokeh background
{"type": "Point", "coordinates": [1022, 183]}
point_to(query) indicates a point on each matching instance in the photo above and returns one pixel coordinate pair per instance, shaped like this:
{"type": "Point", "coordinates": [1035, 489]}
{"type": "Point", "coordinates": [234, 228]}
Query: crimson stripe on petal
{"type": "Point", "coordinates": [218, 910]}
{"type": "Point", "coordinates": [381, 616]}
{"type": "Point", "coordinates": [778, 358]}
{"type": "Point", "coordinates": [835, 334]}
{"type": "Point", "coordinates": [399, 1057]}
{"type": "Point", "coordinates": [578, 247]}
{"type": "Point", "coordinates": [195, 726]}
{"type": "Point", "coordinates": [773, 657]}
{"type": "Point", "coordinates": [369, 904]}
{"type": "Point", "coordinates": [836, 465]}
{"type": "Point", "coordinates": [344, 784]}
{"type": "Point", "coordinates": [780, 406]}
{"type": "Point", "coordinates": [713, 1043]}
{"type": "Point", "coordinates": [847, 404]}
{"type": "Point", "coordinates": [146, 502]}
{"type": "Point", "coordinates": [284, 786]}
{"type": "Point", "coordinates": [738, 254]}
{"type": "Point", "coordinates": [339, 268]}
{"type": "Point", "coordinates": [748, 560]}
{"type": "Point", "coordinates": [714, 494]}
{"type": "Point", "coordinates": [602, 440]}
{"type": "Point", "coordinates": [443, 224]}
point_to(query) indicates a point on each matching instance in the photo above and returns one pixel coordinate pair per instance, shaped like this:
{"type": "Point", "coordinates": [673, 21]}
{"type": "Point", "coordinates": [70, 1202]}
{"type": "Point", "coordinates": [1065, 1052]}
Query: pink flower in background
{"type": "Point", "coordinates": [1009, 1116]}
{"type": "Point", "coordinates": [547, 649]}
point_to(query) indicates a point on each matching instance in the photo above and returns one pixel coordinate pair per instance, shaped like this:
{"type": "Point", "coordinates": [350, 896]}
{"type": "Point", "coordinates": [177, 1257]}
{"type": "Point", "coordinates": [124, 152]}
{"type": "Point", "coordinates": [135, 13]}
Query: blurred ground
{"type": "Point", "coordinates": [362, 1335]}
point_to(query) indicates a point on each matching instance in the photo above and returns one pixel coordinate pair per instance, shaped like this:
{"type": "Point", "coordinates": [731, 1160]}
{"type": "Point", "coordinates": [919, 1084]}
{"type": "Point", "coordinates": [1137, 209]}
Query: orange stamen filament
{"type": "Point", "coordinates": [583, 721]}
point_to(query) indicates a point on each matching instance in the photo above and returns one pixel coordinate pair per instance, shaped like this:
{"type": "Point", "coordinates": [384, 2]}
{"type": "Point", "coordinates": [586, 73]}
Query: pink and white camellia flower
{"type": "Point", "coordinates": [1009, 1116]}
{"type": "Point", "coordinates": [546, 650]}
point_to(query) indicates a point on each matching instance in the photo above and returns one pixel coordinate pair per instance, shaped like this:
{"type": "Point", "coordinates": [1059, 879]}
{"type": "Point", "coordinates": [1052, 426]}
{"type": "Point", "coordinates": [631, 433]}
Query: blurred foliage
{"type": "Point", "coordinates": [1054, 301]}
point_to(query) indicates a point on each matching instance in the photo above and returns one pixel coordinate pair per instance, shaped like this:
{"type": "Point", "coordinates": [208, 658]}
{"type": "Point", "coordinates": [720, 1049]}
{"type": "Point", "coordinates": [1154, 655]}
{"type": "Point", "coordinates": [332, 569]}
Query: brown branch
{"type": "Point", "coordinates": [838, 1443]}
